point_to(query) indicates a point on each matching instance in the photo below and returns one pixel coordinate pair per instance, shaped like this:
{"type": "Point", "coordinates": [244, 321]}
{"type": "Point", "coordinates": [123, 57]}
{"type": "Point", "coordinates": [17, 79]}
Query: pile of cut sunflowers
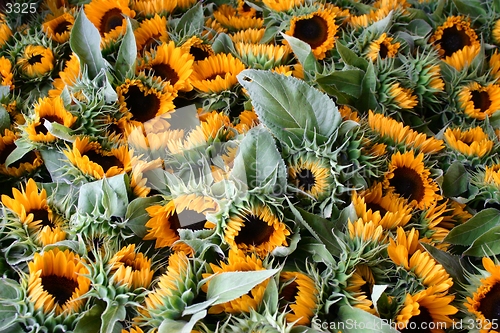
{"type": "Point", "coordinates": [291, 166]}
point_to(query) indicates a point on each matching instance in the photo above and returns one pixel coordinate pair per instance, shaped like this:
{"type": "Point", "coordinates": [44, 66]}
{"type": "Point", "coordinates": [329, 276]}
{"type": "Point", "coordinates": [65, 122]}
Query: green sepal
{"type": "Point", "coordinates": [228, 286]}
{"type": "Point", "coordinates": [283, 103]}
{"type": "Point", "coordinates": [455, 180]}
{"type": "Point", "coordinates": [137, 216]}
{"type": "Point", "coordinates": [259, 167]}
{"type": "Point", "coordinates": [479, 224]}
{"type": "Point", "coordinates": [85, 41]}
{"type": "Point", "coordinates": [4, 119]}
{"type": "Point", "coordinates": [127, 54]}
{"type": "Point", "coordinates": [304, 54]}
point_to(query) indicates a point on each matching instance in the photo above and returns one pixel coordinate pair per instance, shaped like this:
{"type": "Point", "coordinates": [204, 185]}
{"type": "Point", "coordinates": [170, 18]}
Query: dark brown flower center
{"type": "Point", "coordinates": [490, 304]}
{"type": "Point", "coordinates": [35, 59]}
{"type": "Point", "coordinates": [199, 53]}
{"type": "Point", "coordinates": [384, 50]}
{"type": "Point", "coordinates": [60, 287]}
{"type": "Point", "coordinates": [453, 40]}
{"type": "Point", "coordinates": [143, 107]}
{"type": "Point", "coordinates": [214, 76]}
{"type": "Point", "coordinates": [151, 42]}
{"type": "Point", "coordinates": [313, 31]}
{"type": "Point", "coordinates": [112, 19]}
{"type": "Point", "coordinates": [376, 207]}
{"type": "Point", "coordinates": [419, 323]}
{"type": "Point", "coordinates": [481, 100]}
{"type": "Point", "coordinates": [408, 184]}
{"type": "Point", "coordinates": [306, 180]}
{"type": "Point", "coordinates": [42, 215]}
{"type": "Point", "coordinates": [166, 72]}
{"type": "Point", "coordinates": [289, 292]}
{"type": "Point", "coordinates": [62, 27]}
{"type": "Point", "coordinates": [106, 162]}
{"type": "Point", "coordinates": [254, 231]}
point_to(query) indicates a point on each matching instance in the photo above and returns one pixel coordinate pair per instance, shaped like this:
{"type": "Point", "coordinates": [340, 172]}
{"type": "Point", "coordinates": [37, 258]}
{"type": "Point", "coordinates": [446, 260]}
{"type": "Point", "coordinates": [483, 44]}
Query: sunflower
{"type": "Point", "coordinates": [237, 261]}
{"type": "Point", "coordinates": [483, 303]}
{"type": "Point", "coordinates": [426, 311]}
{"type": "Point", "coordinates": [492, 174]}
{"type": "Point", "coordinates": [431, 223]}
{"type": "Point", "coordinates": [185, 4]}
{"type": "Point", "coordinates": [252, 36]}
{"type": "Point", "coordinates": [35, 61]}
{"type": "Point", "coordinates": [150, 33]}
{"type": "Point", "coordinates": [383, 47]}
{"type": "Point", "coordinates": [311, 175]}
{"type": "Point", "coordinates": [365, 231]}
{"type": "Point", "coordinates": [51, 110]}
{"type": "Point", "coordinates": [142, 101]}
{"type": "Point", "coordinates": [198, 48]}
{"type": "Point", "coordinates": [6, 74]}
{"type": "Point", "coordinates": [109, 16]}
{"type": "Point", "coordinates": [217, 73]}
{"type": "Point", "coordinates": [255, 228]}
{"type": "Point", "coordinates": [402, 98]}
{"type": "Point", "coordinates": [5, 31]}
{"type": "Point", "coordinates": [282, 6]}
{"type": "Point", "coordinates": [263, 56]}
{"type": "Point", "coordinates": [300, 294]}
{"type": "Point", "coordinates": [130, 268]}
{"type": "Point", "coordinates": [27, 164]}
{"type": "Point", "coordinates": [456, 42]}
{"type": "Point", "coordinates": [246, 120]}
{"type": "Point", "coordinates": [360, 286]}
{"type": "Point", "coordinates": [57, 282]}
{"type": "Point", "coordinates": [392, 210]}
{"type": "Point", "coordinates": [228, 17]}
{"type": "Point", "coordinates": [148, 8]}
{"type": "Point", "coordinates": [494, 64]}
{"type": "Point", "coordinates": [89, 157]}
{"type": "Point", "coordinates": [67, 77]}
{"type": "Point", "coordinates": [170, 63]}
{"type": "Point", "coordinates": [472, 142]}
{"type": "Point", "coordinates": [133, 329]}
{"type": "Point", "coordinates": [185, 211]}
{"type": "Point", "coordinates": [58, 27]}
{"type": "Point", "coordinates": [478, 101]}
{"type": "Point", "coordinates": [317, 29]}
{"type": "Point", "coordinates": [405, 251]}
{"type": "Point", "coordinates": [138, 179]}
{"type": "Point", "coordinates": [31, 207]}
{"type": "Point", "coordinates": [408, 177]}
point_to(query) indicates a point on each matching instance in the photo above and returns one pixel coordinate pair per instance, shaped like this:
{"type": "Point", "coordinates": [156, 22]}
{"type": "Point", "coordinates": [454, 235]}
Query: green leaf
{"type": "Point", "coordinates": [485, 245]}
{"type": "Point", "coordinates": [109, 194]}
{"type": "Point", "coordinates": [22, 148]}
{"type": "Point", "coordinates": [346, 81]}
{"type": "Point", "coordinates": [90, 322]}
{"type": "Point", "coordinates": [192, 20]}
{"type": "Point", "coordinates": [4, 91]}
{"type": "Point", "coordinates": [54, 161]}
{"type": "Point", "coordinates": [472, 8]}
{"type": "Point", "coordinates": [59, 131]}
{"type": "Point", "coordinates": [4, 119]}
{"type": "Point", "coordinates": [419, 27]}
{"type": "Point", "coordinates": [127, 53]}
{"type": "Point", "coordinates": [9, 290]}
{"type": "Point", "coordinates": [137, 216]}
{"type": "Point", "coordinates": [479, 224]}
{"type": "Point", "coordinates": [113, 314]}
{"type": "Point", "coordinates": [284, 103]}
{"type": "Point", "coordinates": [223, 44]}
{"type": "Point", "coordinates": [259, 164]}
{"type": "Point", "coordinates": [180, 326]}
{"type": "Point", "coordinates": [230, 285]}
{"type": "Point", "coordinates": [85, 41]}
{"type": "Point", "coordinates": [359, 321]}
{"type": "Point", "coordinates": [350, 57]}
{"type": "Point", "coordinates": [368, 99]}
{"type": "Point", "coordinates": [455, 180]}
{"type": "Point", "coordinates": [303, 52]}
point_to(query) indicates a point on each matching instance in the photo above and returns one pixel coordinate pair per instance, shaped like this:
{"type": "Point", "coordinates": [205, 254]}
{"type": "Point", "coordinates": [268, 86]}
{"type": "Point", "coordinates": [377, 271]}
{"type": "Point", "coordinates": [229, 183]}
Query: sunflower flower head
{"type": "Point", "coordinates": [479, 101]}
{"type": "Point", "coordinates": [300, 294]}
{"type": "Point", "coordinates": [25, 166]}
{"type": "Point", "coordinates": [130, 268]}
{"type": "Point", "coordinates": [472, 142]}
{"type": "Point", "coordinates": [109, 17]}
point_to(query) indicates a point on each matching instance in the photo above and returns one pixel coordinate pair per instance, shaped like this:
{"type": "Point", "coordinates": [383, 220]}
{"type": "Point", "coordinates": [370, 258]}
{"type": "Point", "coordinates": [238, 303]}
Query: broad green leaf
{"type": "Point", "coordinates": [198, 307]}
{"type": "Point", "coordinates": [4, 91]}
{"type": "Point", "coordinates": [223, 44]}
{"type": "Point", "coordinates": [486, 245]}
{"type": "Point", "coordinates": [110, 194]}
{"type": "Point", "coordinates": [22, 148]}
{"type": "Point", "coordinates": [346, 81]}
{"type": "Point", "coordinates": [113, 314]}
{"type": "Point", "coordinates": [127, 53]}
{"type": "Point", "coordinates": [356, 320]}
{"type": "Point", "coordinates": [455, 180]}
{"type": "Point", "coordinates": [350, 57]}
{"type": "Point", "coordinates": [192, 20]}
{"type": "Point", "coordinates": [4, 119]}
{"type": "Point", "coordinates": [303, 52]}
{"type": "Point", "coordinates": [85, 41]}
{"type": "Point", "coordinates": [91, 320]}
{"type": "Point", "coordinates": [259, 164]}
{"type": "Point", "coordinates": [54, 161]}
{"type": "Point", "coordinates": [472, 8]}
{"type": "Point", "coordinates": [450, 262]}
{"type": "Point", "coordinates": [284, 103]}
{"type": "Point", "coordinates": [368, 99]}
{"type": "Point", "coordinates": [467, 233]}
{"type": "Point", "coordinates": [59, 131]}
{"type": "Point", "coordinates": [8, 314]}
{"type": "Point", "coordinates": [231, 285]}
{"type": "Point", "coordinates": [181, 326]}
{"type": "Point", "coordinates": [419, 27]}
{"type": "Point", "coordinates": [137, 216]}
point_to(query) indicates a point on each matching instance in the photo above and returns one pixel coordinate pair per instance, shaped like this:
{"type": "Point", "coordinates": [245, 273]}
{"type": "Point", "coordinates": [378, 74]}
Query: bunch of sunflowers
{"type": "Point", "coordinates": [245, 166]}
